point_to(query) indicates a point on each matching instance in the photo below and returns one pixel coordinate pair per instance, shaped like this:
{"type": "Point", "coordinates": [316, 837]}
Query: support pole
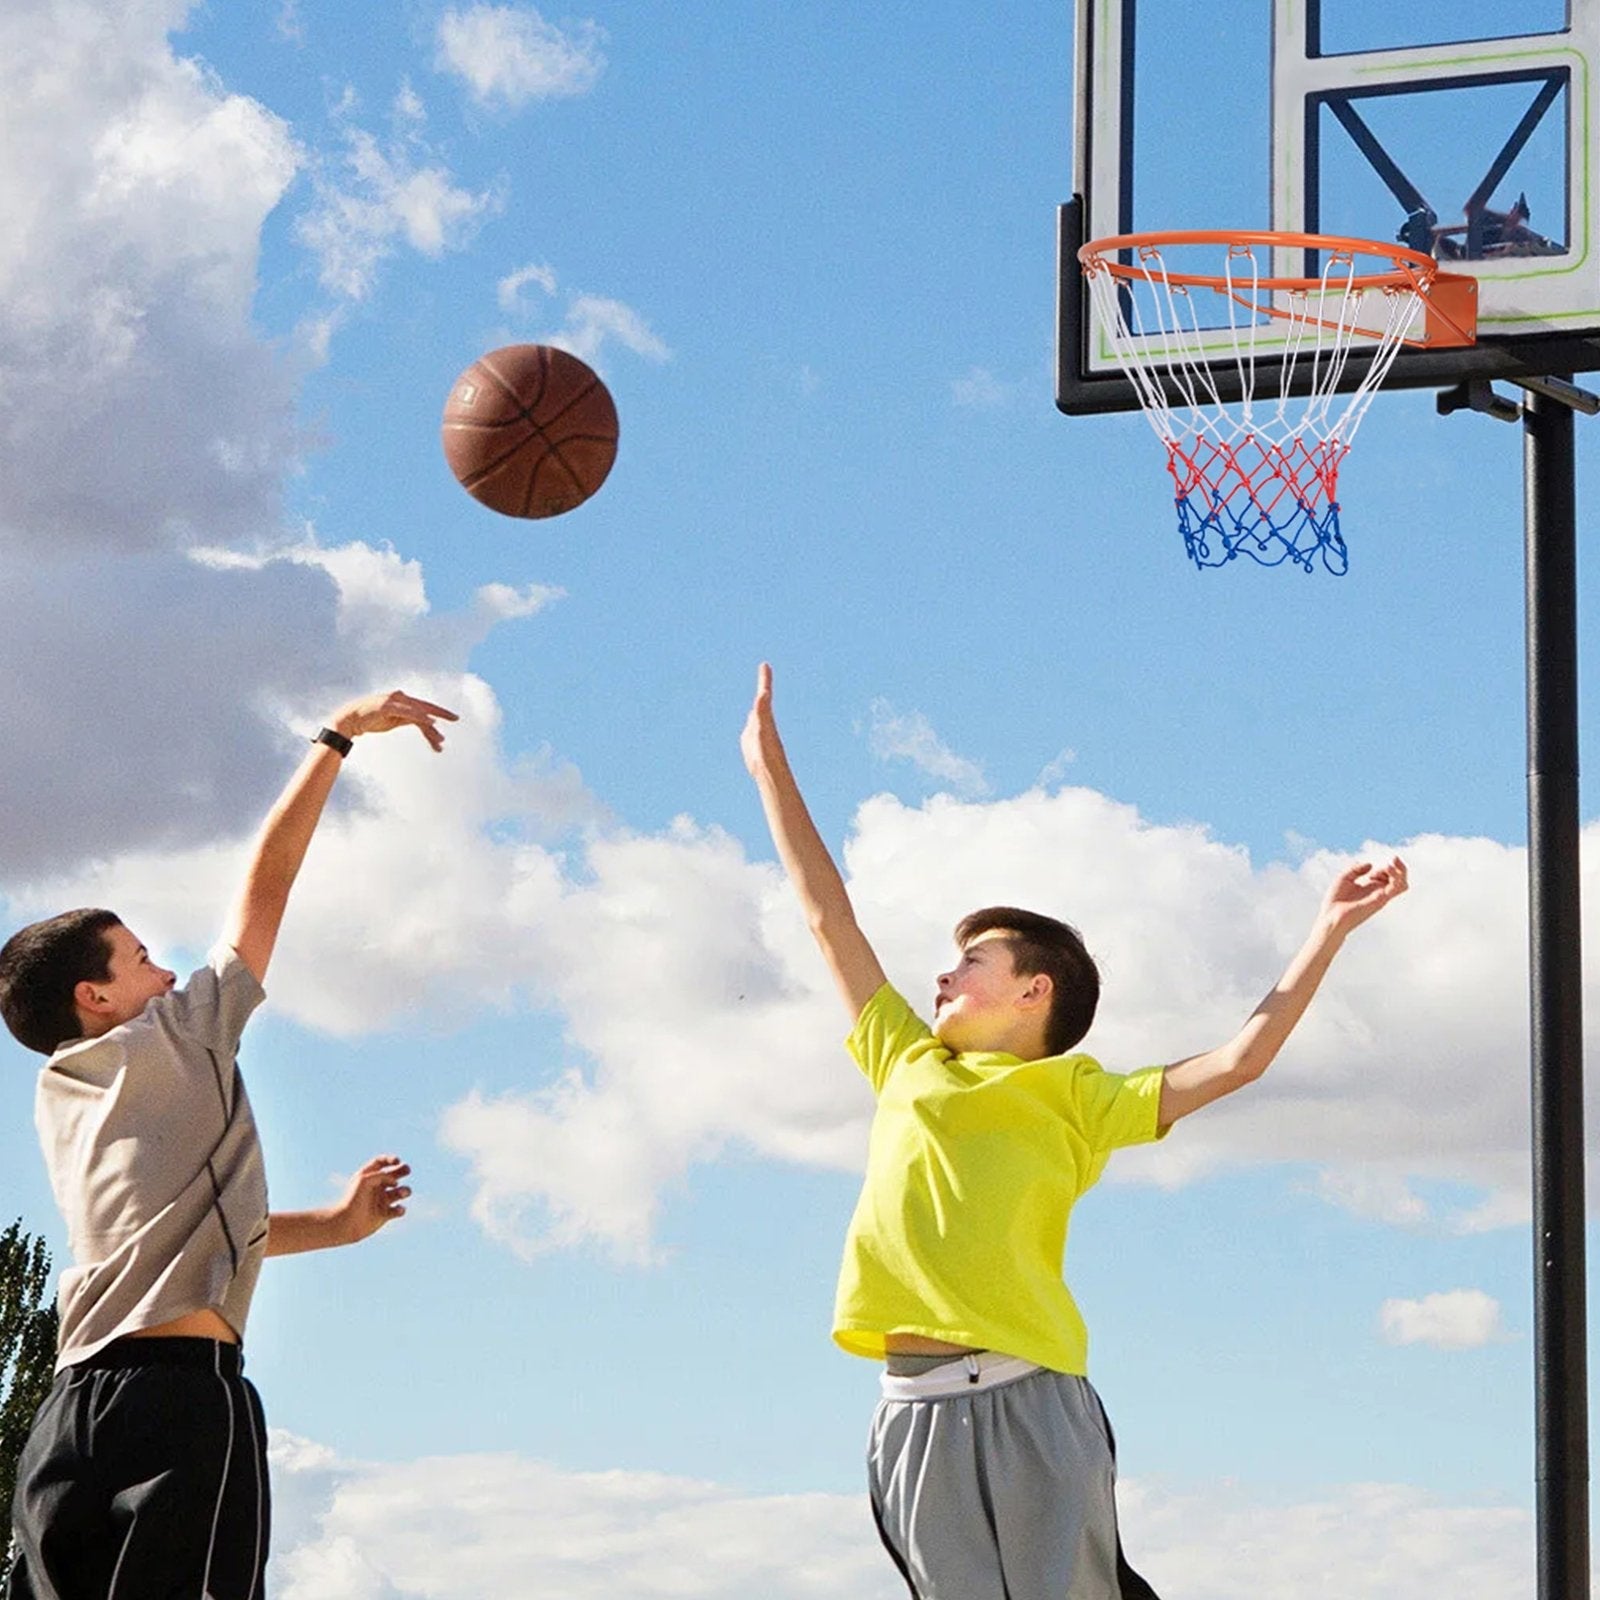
{"type": "Point", "coordinates": [1560, 1337]}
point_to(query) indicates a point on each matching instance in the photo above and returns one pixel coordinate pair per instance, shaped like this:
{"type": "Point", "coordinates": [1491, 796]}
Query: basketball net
{"type": "Point", "coordinates": [1259, 476]}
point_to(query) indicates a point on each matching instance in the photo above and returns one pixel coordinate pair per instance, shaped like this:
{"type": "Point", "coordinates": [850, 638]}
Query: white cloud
{"type": "Point", "coordinates": [1363, 1541]}
{"type": "Point", "coordinates": [378, 196]}
{"type": "Point", "coordinates": [509, 289]}
{"type": "Point", "coordinates": [1057, 768]}
{"type": "Point", "coordinates": [592, 322]}
{"type": "Point", "coordinates": [1462, 1319]}
{"type": "Point", "coordinates": [528, 895]}
{"type": "Point", "coordinates": [136, 187]}
{"type": "Point", "coordinates": [204, 725]}
{"type": "Point", "coordinates": [505, 1525]}
{"type": "Point", "coordinates": [1369, 1190]}
{"type": "Point", "coordinates": [909, 736]}
{"type": "Point", "coordinates": [979, 390]}
{"type": "Point", "coordinates": [460, 1527]}
{"type": "Point", "coordinates": [1189, 933]}
{"type": "Point", "coordinates": [509, 55]}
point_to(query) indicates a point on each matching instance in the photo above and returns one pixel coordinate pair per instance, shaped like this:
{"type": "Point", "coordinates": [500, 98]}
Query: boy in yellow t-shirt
{"type": "Point", "coordinates": [990, 1460]}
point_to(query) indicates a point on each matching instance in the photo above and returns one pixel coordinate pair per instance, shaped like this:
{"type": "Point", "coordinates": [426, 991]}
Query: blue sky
{"type": "Point", "coordinates": [811, 250]}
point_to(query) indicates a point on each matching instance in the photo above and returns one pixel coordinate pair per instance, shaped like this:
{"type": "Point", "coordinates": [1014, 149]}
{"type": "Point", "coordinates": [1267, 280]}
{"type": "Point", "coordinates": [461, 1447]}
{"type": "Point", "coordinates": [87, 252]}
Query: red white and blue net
{"type": "Point", "coordinates": [1256, 476]}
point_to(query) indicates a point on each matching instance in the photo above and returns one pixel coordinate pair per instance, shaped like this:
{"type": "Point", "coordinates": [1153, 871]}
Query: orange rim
{"type": "Point", "coordinates": [1411, 269]}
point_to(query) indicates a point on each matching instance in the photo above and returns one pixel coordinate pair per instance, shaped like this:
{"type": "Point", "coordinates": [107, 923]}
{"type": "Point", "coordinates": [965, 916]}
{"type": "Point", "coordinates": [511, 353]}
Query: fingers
{"type": "Point", "coordinates": [430, 707]}
{"type": "Point", "coordinates": [381, 1179]}
{"type": "Point", "coordinates": [763, 699]}
{"type": "Point", "coordinates": [1363, 889]}
{"type": "Point", "coordinates": [402, 707]}
{"type": "Point", "coordinates": [381, 713]}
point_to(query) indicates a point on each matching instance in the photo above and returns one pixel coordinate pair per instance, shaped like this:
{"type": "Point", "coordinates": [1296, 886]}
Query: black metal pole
{"type": "Point", "coordinates": [1561, 1407]}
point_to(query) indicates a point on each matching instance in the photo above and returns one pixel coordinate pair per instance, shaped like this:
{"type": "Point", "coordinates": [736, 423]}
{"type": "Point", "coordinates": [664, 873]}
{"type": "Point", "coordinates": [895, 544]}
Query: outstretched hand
{"type": "Point", "coordinates": [376, 1195]}
{"type": "Point", "coordinates": [759, 743]}
{"type": "Point", "coordinates": [382, 713]}
{"type": "Point", "coordinates": [1361, 892]}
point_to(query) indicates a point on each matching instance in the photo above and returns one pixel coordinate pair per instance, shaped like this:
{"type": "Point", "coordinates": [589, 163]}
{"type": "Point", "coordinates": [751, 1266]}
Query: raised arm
{"type": "Point", "coordinates": [1357, 894]}
{"type": "Point", "coordinates": [805, 858]}
{"type": "Point", "coordinates": [286, 834]}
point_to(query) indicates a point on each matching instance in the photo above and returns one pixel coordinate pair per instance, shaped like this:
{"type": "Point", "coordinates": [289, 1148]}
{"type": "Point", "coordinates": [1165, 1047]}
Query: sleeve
{"type": "Point", "coordinates": [885, 1030]}
{"type": "Point", "coordinates": [1118, 1110]}
{"type": "Point", "coordinates": [216, 1002]}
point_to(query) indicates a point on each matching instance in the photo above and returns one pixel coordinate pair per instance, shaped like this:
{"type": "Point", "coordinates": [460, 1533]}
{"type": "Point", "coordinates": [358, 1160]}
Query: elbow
{"type": "Point", "coordinates": [1250, 1069]}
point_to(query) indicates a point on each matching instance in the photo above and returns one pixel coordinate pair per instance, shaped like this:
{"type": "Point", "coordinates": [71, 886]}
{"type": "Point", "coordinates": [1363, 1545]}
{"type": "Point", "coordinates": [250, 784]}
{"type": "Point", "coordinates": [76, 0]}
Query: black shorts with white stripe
{"type": "Point", "coordinates": [145, 1474]}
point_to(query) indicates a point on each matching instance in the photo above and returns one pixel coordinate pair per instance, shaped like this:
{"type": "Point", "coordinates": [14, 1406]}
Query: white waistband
{"type": "Point", "coordinates": [961, 1375]}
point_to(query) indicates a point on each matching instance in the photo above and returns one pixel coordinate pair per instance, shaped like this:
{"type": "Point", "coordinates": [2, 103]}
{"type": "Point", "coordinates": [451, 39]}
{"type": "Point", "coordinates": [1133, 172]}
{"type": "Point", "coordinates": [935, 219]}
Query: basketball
{"type": "Point", "coordinates": [529, 430]}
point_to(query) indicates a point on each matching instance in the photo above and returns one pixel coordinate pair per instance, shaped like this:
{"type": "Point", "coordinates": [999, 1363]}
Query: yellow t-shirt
{"type": "Point", "coordinates": [974, 1163]}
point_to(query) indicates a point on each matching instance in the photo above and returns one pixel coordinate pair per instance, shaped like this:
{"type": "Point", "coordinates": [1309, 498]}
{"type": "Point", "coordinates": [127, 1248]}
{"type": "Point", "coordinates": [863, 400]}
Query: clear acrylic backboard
{"type": "Point", "coordinates": [1465, 129]}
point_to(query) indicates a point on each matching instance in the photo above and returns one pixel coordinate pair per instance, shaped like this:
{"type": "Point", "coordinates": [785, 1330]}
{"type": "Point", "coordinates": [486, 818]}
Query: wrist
{"type": "Point", "coordinates": [339, 1224]}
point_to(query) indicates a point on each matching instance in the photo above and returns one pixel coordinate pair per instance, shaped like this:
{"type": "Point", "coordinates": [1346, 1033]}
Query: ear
{"type": "Point", "coordinates": [1038, 992]}
{"type": "Point", "coordinates": [86, 996]}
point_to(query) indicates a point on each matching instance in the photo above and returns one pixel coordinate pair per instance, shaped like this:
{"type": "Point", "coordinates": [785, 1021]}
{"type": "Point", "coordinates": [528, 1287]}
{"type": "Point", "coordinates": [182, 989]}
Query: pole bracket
{"type": "Point", "coordinates": [1478, 394]}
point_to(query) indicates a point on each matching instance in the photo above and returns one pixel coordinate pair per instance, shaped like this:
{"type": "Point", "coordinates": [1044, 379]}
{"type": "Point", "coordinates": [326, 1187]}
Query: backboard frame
{"type": "Point", "coordinates": [1527, 341]}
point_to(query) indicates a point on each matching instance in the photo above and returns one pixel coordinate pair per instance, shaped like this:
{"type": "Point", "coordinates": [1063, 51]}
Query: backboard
{"type": "Point", "coordinates": [1467, 129]}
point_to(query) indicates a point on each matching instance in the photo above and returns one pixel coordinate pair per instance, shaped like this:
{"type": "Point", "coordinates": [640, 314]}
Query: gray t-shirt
{"type": "Point", "coordinates": [155, 1163]}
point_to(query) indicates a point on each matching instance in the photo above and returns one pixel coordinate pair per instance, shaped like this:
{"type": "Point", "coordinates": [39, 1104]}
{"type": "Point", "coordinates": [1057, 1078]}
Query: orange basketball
{"type": "Point", "coordinates": [529, 430]}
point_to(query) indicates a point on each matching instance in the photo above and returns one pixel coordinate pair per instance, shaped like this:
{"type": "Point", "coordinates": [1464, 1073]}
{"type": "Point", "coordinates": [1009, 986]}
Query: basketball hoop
{"type": "Point", "coordinates": [1259, 476]}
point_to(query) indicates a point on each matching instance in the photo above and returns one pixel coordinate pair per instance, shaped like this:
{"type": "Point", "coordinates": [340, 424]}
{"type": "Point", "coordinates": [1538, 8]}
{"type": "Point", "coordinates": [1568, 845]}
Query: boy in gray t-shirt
{"type": "Point", "coordinates": [145, 1471]}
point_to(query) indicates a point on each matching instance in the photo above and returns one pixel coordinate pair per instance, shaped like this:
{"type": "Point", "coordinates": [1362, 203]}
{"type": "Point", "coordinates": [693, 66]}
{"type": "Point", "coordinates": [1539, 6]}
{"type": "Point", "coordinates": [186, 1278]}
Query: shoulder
{"type": "Point", "coordinates": [214, 1002]}
{"type": "Point", "coordinates": [1115, 1108]}
{"type": "Point", "coordinates": [83, 1064]}
{"type": "Point", "coordinates": [886, 1031]}
{"type": "Point", "coordinates": [889, 1013]}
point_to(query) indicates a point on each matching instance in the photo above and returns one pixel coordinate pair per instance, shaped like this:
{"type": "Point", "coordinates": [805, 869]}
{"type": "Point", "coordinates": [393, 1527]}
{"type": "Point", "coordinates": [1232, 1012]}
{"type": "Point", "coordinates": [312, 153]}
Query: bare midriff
{"type": "Point", "coordinates": [914, 1344]}
{"type": "Point", "coordinates": [192, 1325]}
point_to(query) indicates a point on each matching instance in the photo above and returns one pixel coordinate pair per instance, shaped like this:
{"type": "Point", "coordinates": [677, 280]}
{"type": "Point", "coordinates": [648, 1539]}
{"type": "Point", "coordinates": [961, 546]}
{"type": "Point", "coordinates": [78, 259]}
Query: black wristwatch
{"type": "Point", "coordinates": [333, 739]}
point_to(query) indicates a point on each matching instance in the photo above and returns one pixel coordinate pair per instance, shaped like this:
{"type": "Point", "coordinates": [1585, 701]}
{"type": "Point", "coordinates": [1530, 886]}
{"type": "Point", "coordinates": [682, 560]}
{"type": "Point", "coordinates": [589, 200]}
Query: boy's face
{"type": "Point", "coordinates": [984, 1004]}
{"type": "Point", "coordinates": [134, 982]}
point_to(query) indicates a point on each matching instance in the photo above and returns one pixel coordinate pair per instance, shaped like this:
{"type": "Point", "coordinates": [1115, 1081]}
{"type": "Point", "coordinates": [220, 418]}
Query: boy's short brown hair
{"type": "Point", "coordinates": [41, 965]}
{"type": "Point", "coordinates": [1042, 944]}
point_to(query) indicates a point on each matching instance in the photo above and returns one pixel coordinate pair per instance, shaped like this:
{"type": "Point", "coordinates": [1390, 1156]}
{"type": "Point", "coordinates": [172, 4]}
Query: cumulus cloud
{"type": "Point", "coordinates": [159, 731]}
{"type": "Point", "coordinates": [380, 195]}
{"type": "Point", "coordinates": [909, 736]}
{"type": "Point", "coordinates": [506, 1525]}
{"type": "Point", "coordinates": [460, 1527]}
{"type": "Point", "coordinates": [364, 620]}
{"type": "Point", "coordinates": [1364, 1541]}
{"type": "Point", "coordinates": [509, 55]}
{"type": "Point", "coordinates": [177, 732]}
{"type": "Point", "coordinates": [136, 187]}
{"type": "Point", "coordinates": [1189, 933]}
{"type": "Point", "coordinates": [528, 894]}
{"type": "Point", "coordinates": [1462, 1319]}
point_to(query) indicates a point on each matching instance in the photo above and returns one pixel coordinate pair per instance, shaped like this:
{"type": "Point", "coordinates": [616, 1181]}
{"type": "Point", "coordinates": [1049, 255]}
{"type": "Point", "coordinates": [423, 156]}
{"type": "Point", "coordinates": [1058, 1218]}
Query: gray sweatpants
{"type": "Point", "coordinates": [1003, 1494]}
